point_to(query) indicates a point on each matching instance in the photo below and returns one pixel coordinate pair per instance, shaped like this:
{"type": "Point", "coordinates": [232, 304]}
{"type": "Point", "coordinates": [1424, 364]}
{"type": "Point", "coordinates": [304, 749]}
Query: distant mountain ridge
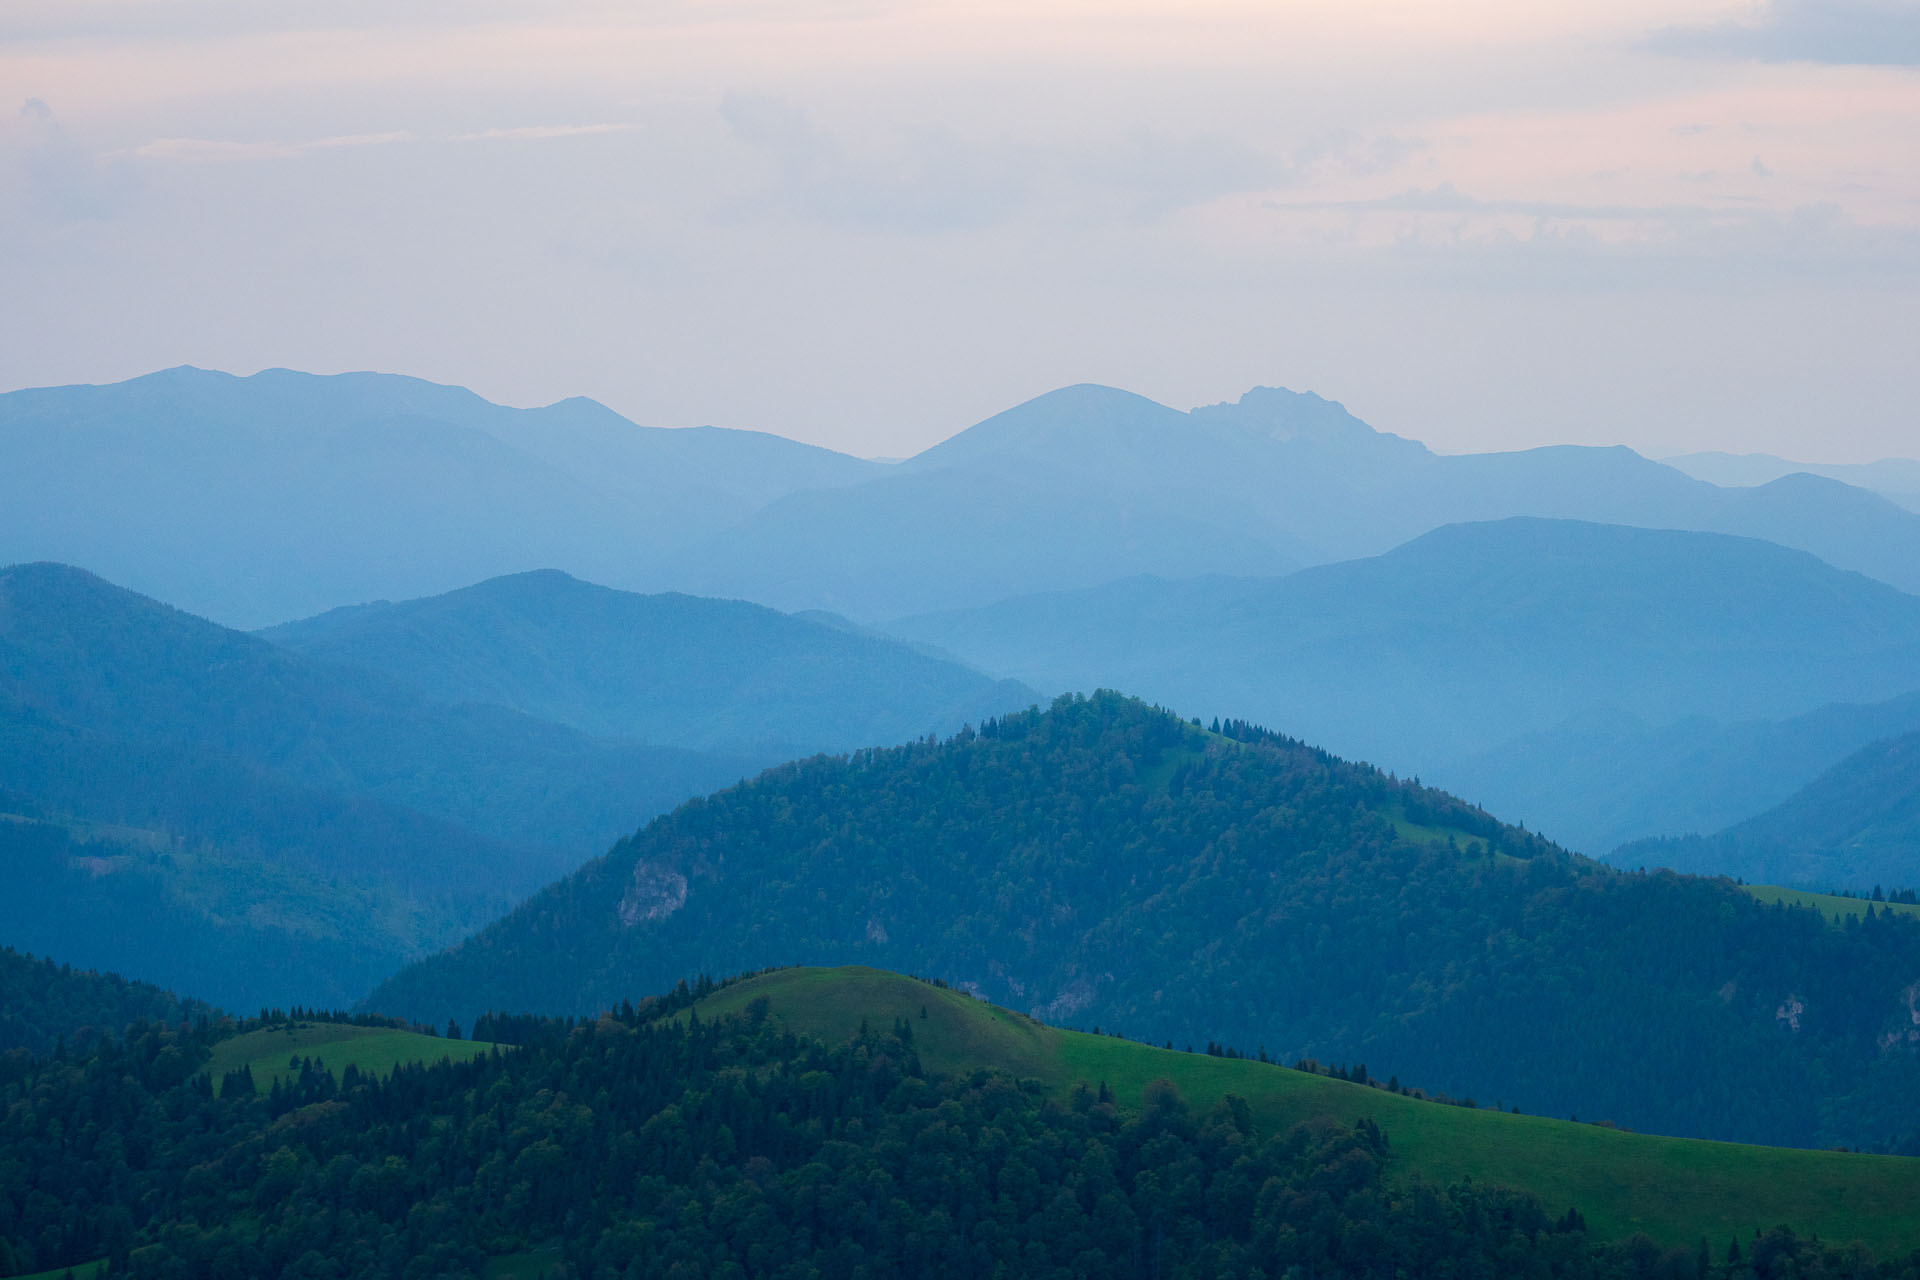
{"type": "Point", "coordinates": [717, 675]}
{"type": "Point", "coordinates": [255, 500]}
{"type": "Point", "coordinates": [1605, 779]}
{"type": "Point", "coordinates": [1114, 485]}
{"type": "Point", "coordinates": [1491, 658]}
{"type": "Point", "coordinates": [1470, 635]}
{"type": "Point", "coordinates": [1855, 826]}
{"type": "Point", "coordinates": [1896, 479]}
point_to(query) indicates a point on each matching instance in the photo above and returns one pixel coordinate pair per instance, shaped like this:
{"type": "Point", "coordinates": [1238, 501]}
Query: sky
{"type": "Point", "coordinates": [1486, 224]}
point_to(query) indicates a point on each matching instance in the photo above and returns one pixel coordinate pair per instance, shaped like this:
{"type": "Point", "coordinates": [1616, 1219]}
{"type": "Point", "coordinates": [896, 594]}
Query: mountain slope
{"type": "Point", "coordinates": [1107, 863]}
{"type": "Point", "coordinates": [1672, 1189]}
{"type": "Point", "coordinates": [1471, 636]}
{"type": "Point", "coordinates": [668, 669]}
{"type": "Point", "coordinates": [1604, 779]}
{"type": "Point", "coordinates": [253, 500]}
{"type": "Point", "coordinates": [910, 1145]}
{"type": "Point", "coordinates": [88, 654]}
{"type": "Point", "coordinates": [205, 809]}
{"type": "Point", "coordinates": [945, 538]}
{"type": "Point", "coordinates": [43, 1004]}
{"type": "Point", "coordinates": [1855, 826]}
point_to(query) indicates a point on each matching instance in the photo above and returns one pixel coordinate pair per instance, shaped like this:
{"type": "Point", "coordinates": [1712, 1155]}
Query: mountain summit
{"type": "Point", "coordinates": [254, 500]}
{"type": "Point", "coordinates": [1107, 863]}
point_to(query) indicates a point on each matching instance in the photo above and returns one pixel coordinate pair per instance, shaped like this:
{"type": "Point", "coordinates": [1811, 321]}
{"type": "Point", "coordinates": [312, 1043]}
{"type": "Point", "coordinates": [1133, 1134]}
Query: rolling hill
{"type": "Point", "coordinates": [856, 1122]}
{"type": "Point", "coordinates": [1107, 863]}
{"type": "Point", "coordinates": [1855, 826]}
{"type": "Point", "coordinates": [716, 675]}
{"type": "Point", "coordinates": [1670, 1189]}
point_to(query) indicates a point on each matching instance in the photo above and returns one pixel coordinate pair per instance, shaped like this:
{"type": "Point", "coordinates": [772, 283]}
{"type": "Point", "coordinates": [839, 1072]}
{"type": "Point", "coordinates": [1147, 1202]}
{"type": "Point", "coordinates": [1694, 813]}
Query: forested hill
{"type": "Point", "coordinates": [1106, 863]}
{"type": "Point", "coordinates": [645, 1144]}
{"type": "Point", "coordinates": [43, 1004]}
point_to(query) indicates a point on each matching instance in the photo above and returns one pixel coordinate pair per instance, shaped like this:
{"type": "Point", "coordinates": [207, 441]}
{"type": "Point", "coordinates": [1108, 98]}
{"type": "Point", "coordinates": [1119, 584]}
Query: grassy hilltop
{"type": "Point", "coordinates": [1673, 1189]}
{"type": "Point", "coordinates": [336, 1045]}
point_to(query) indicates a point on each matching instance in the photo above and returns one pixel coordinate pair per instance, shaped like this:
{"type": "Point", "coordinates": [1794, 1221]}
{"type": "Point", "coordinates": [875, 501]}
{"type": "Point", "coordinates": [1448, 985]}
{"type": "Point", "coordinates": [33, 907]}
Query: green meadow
{"type": "Point", "coordinates": [1835, 907]}
{"type": "Point", "coordinates": [377, 1050]}
{"type": "Point", "coordinates": [80, 1271]}
{"type": "Point", "coordinates": [1673, 1189]}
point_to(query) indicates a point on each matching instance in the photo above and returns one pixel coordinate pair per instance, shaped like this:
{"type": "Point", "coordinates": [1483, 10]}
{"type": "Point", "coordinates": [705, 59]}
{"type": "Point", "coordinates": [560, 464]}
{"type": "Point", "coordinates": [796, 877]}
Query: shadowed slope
{"type": "Point", "coordinates": [668, 669]}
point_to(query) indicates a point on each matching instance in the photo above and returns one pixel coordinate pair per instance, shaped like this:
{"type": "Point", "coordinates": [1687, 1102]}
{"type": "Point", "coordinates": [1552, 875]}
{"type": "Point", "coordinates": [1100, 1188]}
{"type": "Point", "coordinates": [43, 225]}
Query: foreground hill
{"type": "Point", "coordinates": [1672, 1189]}
{"type": "Point", "coordinates": [1490, 657]}
{"type": "Point", "coordinates": [1856, 825]}
{"type": "Point", "coordinates": [1107, 863]}
{"type": "Point", "coordinates": [209, 811]}
{"type": "Point", "coordinates": [809, 1124]}
{"type": "Point", "coordinates": [667, 669]}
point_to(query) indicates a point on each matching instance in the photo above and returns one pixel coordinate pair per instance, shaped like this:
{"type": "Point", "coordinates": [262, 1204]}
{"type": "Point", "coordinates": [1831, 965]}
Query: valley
{"type": "Point", "coordinates": [1586, 807]}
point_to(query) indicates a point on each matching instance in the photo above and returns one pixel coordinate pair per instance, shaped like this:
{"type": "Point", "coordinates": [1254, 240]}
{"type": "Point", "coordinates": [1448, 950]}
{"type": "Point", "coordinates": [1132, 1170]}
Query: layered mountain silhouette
{"type": "Point", "coordinates": [255, 500]}
{"type": "Point", "coordinates": [1105, 863]}
{"type": "Point", "coordinates": [215, 813]}
{"type": "Point", "coordinates": [1896, 479]}
{"type": "Point", "coordinates": [1484, 656]}
{"type": "Point", "coordinates": [674, 669]}
{"type": "Point", "coordinates": [1472, 635]}
{"type": "Point", "coordinates": [1604, 779]}
{"type": "Point", "coordinates": [1856, 825]}
{"type": "Point", "coordinates": [222, 814]}
{"type": "Point", "coordinates": [1094, 483]}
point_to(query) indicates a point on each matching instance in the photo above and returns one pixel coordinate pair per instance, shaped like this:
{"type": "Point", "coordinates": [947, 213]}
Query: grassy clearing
{"type": "Point", "coordinates": [1673, 1189]}
{"type": "Point", "coordinates": [1832, 905]}
{"type": "Point", "coordinates": [1419, 833]}
{"type": "Point", "coordinates": [79, 1271]}
{"type": "Point", "coordinates": [372, 1049]}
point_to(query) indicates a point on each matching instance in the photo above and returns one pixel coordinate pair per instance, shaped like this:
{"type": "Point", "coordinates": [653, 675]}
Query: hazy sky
{"type": "Point", "coordinates": [1482, 223]}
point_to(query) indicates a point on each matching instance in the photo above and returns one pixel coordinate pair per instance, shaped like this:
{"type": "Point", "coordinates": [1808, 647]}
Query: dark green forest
{"type": "Point", "coordinates": [643, 1145]}
{"type": "Point", "coordinates": [1105, 863]}
{"type": "Point", "coordinates": [45, 1006]}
